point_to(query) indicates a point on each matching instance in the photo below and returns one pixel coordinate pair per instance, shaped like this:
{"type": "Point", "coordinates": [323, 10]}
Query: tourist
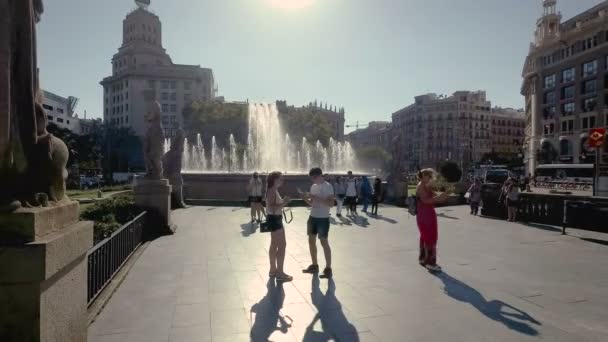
{"type": "Point", "coordinates": [366, 193]}
{"type": "Point", "coordinates": [475, 196]}
{"type": "Point", "coordinates": [320, 198]}
{"type": "Point", "coordinates": [351, 194]}
{"type": "Point", "coordinates": [254, 188]}
{"type": "Point", "coordinates": [512, 197]}
{"type": "Point", "coordinates": [377, 197]}
{"type": "Point", "coordinates": [426, 218]}
{"type": "Point", "coordinates": [274, 208]}
{"type": "Point", "coordinates": [340, 193]}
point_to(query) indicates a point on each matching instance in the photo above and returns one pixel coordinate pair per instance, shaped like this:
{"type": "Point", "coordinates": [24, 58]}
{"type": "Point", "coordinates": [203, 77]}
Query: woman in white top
{"type": "Point", "coordinates": [254, 188]}
{"type": "Point", "coordinates": [274, 219]}
{"type": "Point", "coordinates": [512, 200]}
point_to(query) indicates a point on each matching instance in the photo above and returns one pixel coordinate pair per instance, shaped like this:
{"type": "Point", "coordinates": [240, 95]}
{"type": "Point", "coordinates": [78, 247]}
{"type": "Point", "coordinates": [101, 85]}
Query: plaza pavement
{"type": "Point", "coordinates": [501, 282]}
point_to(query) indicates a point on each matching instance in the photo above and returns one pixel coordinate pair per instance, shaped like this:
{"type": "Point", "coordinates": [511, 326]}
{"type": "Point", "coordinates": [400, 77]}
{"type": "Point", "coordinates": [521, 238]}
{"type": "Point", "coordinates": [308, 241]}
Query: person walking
{"type": "Point", "coordinates": [377, 197]}
{"type": "Point", "coordinates": [254, 188]}
{"type": "Point", "coordinates": [320, 198]}
{"type": "Point", "coordinates": [274, 218]}
{"type": "Point", "coordinates": [351, 194]}
{"type": "Point", "coordinates": [512, 199]}
{"type": "Point", "coordinates": [340, 193]}
{"type": "Point", "coordinates": [475, 196]}
{"type": "Point", "coordinates": [366, 193]}
{"type": "Point", "coordinates": [426, 218]}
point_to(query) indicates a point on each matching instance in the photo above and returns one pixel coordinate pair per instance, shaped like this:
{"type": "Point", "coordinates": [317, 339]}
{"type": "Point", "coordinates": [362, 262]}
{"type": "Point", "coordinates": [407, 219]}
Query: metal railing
{"type": "Point", "coordinates": [107, 257]}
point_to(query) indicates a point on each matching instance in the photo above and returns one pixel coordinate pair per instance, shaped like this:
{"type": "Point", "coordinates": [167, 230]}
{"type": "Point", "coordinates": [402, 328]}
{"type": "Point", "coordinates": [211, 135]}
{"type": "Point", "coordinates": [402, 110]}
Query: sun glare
{"type": "Point", "coordinates": [290, 4]}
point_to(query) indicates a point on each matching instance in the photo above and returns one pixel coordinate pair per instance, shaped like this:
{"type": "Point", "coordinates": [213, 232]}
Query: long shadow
{"type": "Point", "coordinates": [341, 221]}
{"type": "Point", "coordinates": [334, 323]}
{"type": "Point", "coordinates": [268, 313]}
{"type": "Point", "coordinates": [598, 241]}
{"type": "Point", "coordinates": [443, 215]}
{"type": "Point", "coordinates": [248, 229]}
{"type": "Point", "coordinates": [360, 221]}
{"type": "Point", "coordinates": [381, 218]}
{"type": "Point", "coordinates": [499, 311]}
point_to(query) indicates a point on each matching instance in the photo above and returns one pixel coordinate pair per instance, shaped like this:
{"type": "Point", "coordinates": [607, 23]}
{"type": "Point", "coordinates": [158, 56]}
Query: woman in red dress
{"type": "Point", "coordinates": [426, 218]}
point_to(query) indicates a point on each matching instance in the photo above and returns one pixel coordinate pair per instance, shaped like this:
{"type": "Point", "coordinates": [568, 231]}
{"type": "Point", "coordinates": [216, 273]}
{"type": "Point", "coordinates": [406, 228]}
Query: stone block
{"type": "Point", "coordinates": [154, 196]}
{"type": "Point", "coordinates": [43, 284]}
{"type": "Point", "coordinates": [29, 224]}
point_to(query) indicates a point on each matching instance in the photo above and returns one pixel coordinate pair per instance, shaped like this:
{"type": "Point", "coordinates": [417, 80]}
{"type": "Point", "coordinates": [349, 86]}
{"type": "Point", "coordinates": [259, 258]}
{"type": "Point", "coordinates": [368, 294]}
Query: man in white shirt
{"type": "Point", "coordinates": [351, 194]}
{"type": "Point", "coordinates": [321, 199]}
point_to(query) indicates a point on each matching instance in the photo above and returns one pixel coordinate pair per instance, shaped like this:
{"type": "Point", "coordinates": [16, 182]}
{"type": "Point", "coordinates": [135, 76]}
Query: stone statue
{"type": "Point", "coordinates": [153, 142]}
{"type": "Point", "coordinates": [32, 162]}
{"type": "Point", "coordinates": [172, 167]}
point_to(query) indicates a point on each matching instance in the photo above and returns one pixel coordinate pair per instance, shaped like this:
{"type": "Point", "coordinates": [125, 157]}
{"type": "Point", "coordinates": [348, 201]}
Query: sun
{"type": "Point", "coordinates": [290, 4]}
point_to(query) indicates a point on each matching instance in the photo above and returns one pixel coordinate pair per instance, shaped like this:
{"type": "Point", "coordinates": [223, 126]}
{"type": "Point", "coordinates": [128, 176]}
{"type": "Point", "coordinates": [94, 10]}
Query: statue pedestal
{"type": "Point", "coordinates": [43, 274]}
{"type": "Point", "coordinates": [177, 197]}
{"type": "Point", "coordinates": [154, 196]}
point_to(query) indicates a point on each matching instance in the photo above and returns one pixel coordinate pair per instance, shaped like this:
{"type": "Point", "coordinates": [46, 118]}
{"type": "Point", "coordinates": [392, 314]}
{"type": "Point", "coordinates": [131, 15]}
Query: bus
{"type": "Point", "coordinates": [564, 176]}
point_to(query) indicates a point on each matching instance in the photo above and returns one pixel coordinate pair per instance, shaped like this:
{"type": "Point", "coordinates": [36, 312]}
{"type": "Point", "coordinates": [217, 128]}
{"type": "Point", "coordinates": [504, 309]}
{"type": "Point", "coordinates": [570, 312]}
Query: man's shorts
{"type": "Point", "coordinates": [318, 226]}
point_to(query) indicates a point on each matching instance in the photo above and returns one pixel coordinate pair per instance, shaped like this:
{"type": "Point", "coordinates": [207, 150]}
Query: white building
{"type": "Point", "coordinates": [60, 110]}
{"type": "Point", "coordinates": [142, 64]}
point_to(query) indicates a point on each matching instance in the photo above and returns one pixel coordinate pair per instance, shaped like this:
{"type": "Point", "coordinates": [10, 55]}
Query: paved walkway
{"type": "Point", "coordinates": [502, 282]}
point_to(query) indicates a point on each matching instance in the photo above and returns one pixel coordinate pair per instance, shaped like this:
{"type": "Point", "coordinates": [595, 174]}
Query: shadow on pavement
{"type": "Point", "coordinates": [248, 229]}
{"type": "Point", "coordinates": [341, 221]}
{"type": "Point", "coordinates": [268, 313]}
{"type": "Point", "coordinates": [499, 311]}
{"type": "Point", "coordinates": [359, 220]}
{"type": "Point", "coordinates": [598, 241]}
{"type": "Point", "coordinates": [334, 324]}
{"type": "Point", "coordinates": [443, 215]}
{"type": "Point", "coordinates": [381, 218]}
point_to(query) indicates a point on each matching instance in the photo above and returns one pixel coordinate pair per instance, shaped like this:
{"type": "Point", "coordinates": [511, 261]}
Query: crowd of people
{"type": "Point", "coordinates": [341, 192]}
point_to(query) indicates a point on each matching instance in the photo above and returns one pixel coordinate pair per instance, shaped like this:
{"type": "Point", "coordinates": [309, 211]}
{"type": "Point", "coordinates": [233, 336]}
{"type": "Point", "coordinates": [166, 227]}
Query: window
{"type": "Point", "coordinates": [165, 120]}
{"type": "Point", "coordinates": [173, 96]}
{"type": "Point", "coordinates": [165, 108]}
{"type": "Point", "coordinates": [173, 108]}
{"type": "Point", "coordinates": [173, 118]}
{"type": "Point", "coordinates": [49, 117]}
{"type": "Point", "coordinates": [568, 108]}
{"type": "Point", "coordinates": [549, 129]}
{"type": "Point", "coordinates": [60, 120]}
{"type": "Point", "coordinates": [587, 123]}
{"type": "Point", "coordinates": [151, 84]}
{"type": "Point", "coordinates": [549, 97]}
{"type": "Point", "coordinates": [126, 107]}
{"type": "Point", "coordinates": [567, 125]}
{"type": "Point", "coordinates": [568, 75]}
{"type": "Point", "coordinates": [548, 112]}
{"type": "Point", "coordinates": [567, 93]}
{"type": "Point", "coordinates": [550, 81]}
{"type": "Point", "coordinates": [127, 95]}
{"type": "Point", "coordinates": [47, 107]}
{"type": "Point", "coordinates": [60, 110]}
{"type": "Point", "coordinates": [68, 122]}
{"type": "Point", "coordinates": [173, 84]}
{"type": "Point", "coordinates": [588, 105]}
{"type": "Point", "coordinates": [187, 85]}
{"type": "Point", "coordinates": [565, 147]}
{"type": "Point", "coordinates": [590, 68]}
{"type": "Point", "coordinates": [165, 96]}
{"type": "Point", "coordinates": [165, 84]}
{"type": "Point", "coordinates": [589, 87]}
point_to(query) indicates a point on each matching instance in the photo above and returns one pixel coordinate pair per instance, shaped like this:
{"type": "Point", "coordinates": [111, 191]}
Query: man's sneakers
{"type": "Point", "coordinates": [313, 269]}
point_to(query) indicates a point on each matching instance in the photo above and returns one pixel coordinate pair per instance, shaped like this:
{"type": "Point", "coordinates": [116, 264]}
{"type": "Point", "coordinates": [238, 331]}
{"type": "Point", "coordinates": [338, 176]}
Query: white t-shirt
{"type": "Point", "coordinates": [351, 188]}
{"type": "Point", "coordinates": [323, 190]}
{"type": "Point", "coordinates": [255, 187]}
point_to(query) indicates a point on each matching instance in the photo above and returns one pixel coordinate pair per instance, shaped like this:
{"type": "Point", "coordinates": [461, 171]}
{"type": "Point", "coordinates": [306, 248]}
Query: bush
{"type": "Point", "coordinates": [450, 171]}
{"type": "Point", "coordinates": [111, 214]}
{"type": "Point", "coordinates": [442, 185]}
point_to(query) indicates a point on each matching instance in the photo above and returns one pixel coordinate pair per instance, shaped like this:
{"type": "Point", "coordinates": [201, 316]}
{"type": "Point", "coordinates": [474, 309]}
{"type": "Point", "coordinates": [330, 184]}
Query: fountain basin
{"type": "Point", "coordinates": [205, 188]}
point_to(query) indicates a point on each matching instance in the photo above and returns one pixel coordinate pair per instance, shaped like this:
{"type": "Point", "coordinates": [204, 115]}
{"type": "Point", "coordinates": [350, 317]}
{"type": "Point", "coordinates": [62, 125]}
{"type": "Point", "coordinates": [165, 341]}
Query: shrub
{"type": "Point", "coordinates": [442, 185]}
{"type": "Point", "coordinates": [110, 214]}
{"type": "Point", "coordinates": [450, 171]}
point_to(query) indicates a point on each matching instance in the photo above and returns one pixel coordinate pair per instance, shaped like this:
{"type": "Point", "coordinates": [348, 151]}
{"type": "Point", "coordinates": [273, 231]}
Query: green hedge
{"type": "Point", "coordinates": [110, 214]}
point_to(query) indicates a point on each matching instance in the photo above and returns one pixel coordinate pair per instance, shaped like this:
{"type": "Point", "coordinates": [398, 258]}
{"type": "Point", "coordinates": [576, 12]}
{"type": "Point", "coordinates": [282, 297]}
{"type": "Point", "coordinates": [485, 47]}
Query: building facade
{"type": "Point", "coordinates": [564, 82]}
{"type": "Point", "coordinates": [333, 115]}
{"type": "Point", "coordinates": [377, 134]}
{"type": "Point", "coordinates": [142, 65]}
{"type": "Point", "coordinates": [436, 128]}
{"type": "Point", "coordinates": [508, 126]}
{"type": "Point", "coordinates": [60, 110]}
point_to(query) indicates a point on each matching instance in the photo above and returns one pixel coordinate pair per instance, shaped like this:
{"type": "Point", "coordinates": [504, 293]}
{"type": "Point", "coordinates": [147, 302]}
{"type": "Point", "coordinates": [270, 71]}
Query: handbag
{"type": "Point", "coordinates": [264, 226]}
{"type": "Point", "coordinates": [467, 195]}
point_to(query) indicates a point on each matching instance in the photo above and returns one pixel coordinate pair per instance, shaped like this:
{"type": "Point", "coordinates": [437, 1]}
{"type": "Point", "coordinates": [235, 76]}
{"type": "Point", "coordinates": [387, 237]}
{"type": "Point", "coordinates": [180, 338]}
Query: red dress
{"type": "Point", "coordinates": [426, 218]}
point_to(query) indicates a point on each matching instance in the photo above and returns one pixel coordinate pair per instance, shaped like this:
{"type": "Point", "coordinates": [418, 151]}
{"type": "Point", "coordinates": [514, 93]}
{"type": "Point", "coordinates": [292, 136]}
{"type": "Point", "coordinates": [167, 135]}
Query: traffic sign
{"type": "Point", "coordinates": [596, 137]}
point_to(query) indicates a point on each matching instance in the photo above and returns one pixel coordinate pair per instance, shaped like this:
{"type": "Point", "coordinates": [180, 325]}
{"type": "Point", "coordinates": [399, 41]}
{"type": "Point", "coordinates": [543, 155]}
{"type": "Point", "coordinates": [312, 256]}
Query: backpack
{"type": "Point", "coordinates": [412, 203]}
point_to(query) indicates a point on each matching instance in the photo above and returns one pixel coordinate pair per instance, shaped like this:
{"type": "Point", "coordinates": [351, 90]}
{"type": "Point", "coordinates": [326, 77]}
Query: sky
{"type": "Point", "coordinates": [369, 56]}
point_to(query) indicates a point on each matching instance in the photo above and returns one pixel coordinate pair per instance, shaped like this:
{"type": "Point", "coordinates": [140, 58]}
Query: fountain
{"type": "Point", "coordinates": [221, 170]}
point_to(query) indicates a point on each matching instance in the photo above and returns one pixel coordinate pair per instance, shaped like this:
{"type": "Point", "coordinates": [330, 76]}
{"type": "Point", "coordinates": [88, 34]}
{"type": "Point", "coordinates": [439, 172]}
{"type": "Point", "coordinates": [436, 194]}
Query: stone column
{"type": "Point", "coordinates": [43, 274]}
{"type": "Point", "coordinates": [154, 196]}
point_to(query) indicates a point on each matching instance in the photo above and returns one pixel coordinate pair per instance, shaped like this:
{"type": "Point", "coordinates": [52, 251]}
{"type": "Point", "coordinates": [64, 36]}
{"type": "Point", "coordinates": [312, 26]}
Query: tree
{"type": "Point", "coordinates": [372, 157]}
{"type": "Point", "coordinates": [306, 123]}
{"type": "Point", "coordinates": [547, 153]}
{"type": "Point", "coordinates": [219, 119]}
{"type": "Point", "coordinates": [450, 171]}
